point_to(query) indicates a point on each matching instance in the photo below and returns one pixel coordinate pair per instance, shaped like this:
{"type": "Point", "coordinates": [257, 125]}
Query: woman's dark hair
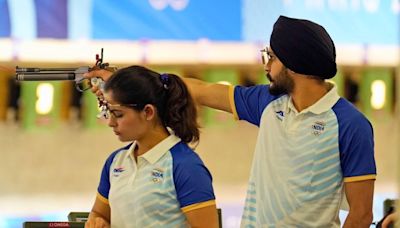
{"type": "Point", "coordinates": [167, 92]}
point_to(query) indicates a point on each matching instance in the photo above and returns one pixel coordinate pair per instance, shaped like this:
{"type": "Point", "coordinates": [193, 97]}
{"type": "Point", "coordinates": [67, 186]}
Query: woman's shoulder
{"type": "Point", "coordinates": [188, 167]}
{"type": "Point", "coordinates": [182, 154]}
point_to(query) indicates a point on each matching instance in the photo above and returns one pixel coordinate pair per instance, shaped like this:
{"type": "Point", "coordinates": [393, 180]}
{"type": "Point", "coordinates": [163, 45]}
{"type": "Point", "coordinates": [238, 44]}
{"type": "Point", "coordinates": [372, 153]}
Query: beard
{"type": "Point", "coordinates": [282, 84]}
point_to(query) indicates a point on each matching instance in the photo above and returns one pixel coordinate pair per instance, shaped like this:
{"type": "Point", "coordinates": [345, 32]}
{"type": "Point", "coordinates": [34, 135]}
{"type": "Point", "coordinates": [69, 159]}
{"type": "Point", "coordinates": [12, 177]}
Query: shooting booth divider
{"type": "Point", "coordinates": [4, 78]}
{"type": "Point", "coordinates": [40, 105]}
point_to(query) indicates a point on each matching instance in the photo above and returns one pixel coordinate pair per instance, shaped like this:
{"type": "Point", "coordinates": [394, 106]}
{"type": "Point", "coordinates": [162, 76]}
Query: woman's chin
{"type": "Point", "coordinates": [122, 139]}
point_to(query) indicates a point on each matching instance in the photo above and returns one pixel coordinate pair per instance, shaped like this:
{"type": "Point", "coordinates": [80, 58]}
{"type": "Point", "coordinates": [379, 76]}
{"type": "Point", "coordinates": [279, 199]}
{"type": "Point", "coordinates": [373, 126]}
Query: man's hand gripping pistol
{"type": "Point", "coordinates": [57, 74]}
{"type": "Point", "coordinates": [61, 74]}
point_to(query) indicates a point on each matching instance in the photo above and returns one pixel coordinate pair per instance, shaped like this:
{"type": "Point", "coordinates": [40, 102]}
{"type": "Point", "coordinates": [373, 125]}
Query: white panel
{"type": "Point", "coordinates": [6, 52]}
{"type": "Point", "coordinates": [350, 55]}
{"type": "Point", "coordinates": [383, 55]}
{"type": "Point", "coordinates": [22, 19]}
{"type": "Point", "coordinates": [79, 19]}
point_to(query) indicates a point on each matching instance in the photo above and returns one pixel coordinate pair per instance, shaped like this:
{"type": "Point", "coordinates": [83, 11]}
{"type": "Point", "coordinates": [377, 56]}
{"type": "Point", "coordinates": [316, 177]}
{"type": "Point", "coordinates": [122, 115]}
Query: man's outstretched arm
{"type": "Point", "coordinates": [208, 94]}
{"type": "Point", "coordinates": [212, 95]}
{"type": "Point", "coordinates": [360, 196]}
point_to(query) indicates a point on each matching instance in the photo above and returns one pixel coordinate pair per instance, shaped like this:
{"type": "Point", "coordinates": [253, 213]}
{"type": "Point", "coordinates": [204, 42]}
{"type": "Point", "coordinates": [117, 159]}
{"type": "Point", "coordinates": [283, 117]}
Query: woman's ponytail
{"type": "Point", "coordinates": [180, 112]}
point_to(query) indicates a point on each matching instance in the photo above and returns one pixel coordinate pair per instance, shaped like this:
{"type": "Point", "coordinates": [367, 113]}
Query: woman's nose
{"type": "Point", "coordinates": [111, 122]}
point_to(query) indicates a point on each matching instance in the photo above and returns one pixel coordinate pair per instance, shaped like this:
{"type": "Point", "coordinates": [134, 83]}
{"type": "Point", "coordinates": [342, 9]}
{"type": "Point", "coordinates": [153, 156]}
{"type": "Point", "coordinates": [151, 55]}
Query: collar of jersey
{"type": "Point", "coordinates": [155, 153]}
{"type": "Point", "coordinates": [324, 104]}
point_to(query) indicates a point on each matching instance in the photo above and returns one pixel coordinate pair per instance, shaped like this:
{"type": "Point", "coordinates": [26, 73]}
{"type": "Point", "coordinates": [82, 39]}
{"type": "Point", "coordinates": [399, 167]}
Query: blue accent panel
{"type": "Point", "coordinates": [79, 19]}
{"type": "Point", "coordinates": [51, 17]}
{"type": "Point", "coordinates": [356, 140]}
{"type": "Point", "coordinates": [348, 22]}
{"type": "Point", "coordinates": [256, 13]}
{"type": "Point", "coordinates": [250, 102]}
{"type": "Point", "coordinates": [5, 30]}
{"type": "Point", "coordinates": [193, 181]}
{"type": "Point", "coordinates": [104, 185]}
{"type": "Point", "coordinates": [132, 19]}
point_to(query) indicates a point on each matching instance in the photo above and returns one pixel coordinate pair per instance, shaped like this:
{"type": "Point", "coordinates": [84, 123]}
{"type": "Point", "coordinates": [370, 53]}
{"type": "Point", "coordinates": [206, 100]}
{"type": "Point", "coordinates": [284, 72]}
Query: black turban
{"type": "Point", "coordinates": [304, 47]}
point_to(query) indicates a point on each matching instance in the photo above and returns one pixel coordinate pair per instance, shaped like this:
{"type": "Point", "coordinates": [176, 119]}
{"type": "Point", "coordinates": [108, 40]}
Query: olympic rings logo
{"type": "Point", "coordinates": [177, 5]}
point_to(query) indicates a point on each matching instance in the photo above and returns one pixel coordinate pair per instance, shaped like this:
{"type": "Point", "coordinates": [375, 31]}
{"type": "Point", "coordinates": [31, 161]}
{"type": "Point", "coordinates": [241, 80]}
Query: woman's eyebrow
{"type": "Point", "coordinates": [116, 109]}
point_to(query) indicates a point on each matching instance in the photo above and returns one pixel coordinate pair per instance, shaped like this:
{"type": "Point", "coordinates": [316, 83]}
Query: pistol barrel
{"type": "Point", "coordinates": [44, 76]}
{"type": "Point", "coordinates": [39, 70]}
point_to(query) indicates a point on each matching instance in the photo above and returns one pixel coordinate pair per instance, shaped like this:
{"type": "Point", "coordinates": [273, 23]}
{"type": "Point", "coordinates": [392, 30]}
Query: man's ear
{"type": "Point", "coordinates": [149, 111]}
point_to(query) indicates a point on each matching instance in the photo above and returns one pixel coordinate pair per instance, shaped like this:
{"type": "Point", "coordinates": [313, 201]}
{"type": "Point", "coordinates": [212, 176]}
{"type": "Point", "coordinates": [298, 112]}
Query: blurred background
{"type": "Point", "coordinates": [53, 147]}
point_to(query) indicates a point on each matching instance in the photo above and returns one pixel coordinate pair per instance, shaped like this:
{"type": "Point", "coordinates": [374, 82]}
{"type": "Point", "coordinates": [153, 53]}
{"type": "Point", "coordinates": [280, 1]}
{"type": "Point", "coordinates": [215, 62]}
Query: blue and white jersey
{"type": "Point", "coordinates": [167, 181]}
{"type": "Point", "coordinates": [302, 159]}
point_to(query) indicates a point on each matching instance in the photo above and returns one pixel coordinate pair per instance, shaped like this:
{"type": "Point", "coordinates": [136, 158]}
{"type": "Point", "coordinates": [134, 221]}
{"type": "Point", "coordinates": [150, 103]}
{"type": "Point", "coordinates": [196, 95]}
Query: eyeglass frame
{"type": "Point", "coordinates": [266, 53]}
{"type": "Point", "coordinates": [105, 108]}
